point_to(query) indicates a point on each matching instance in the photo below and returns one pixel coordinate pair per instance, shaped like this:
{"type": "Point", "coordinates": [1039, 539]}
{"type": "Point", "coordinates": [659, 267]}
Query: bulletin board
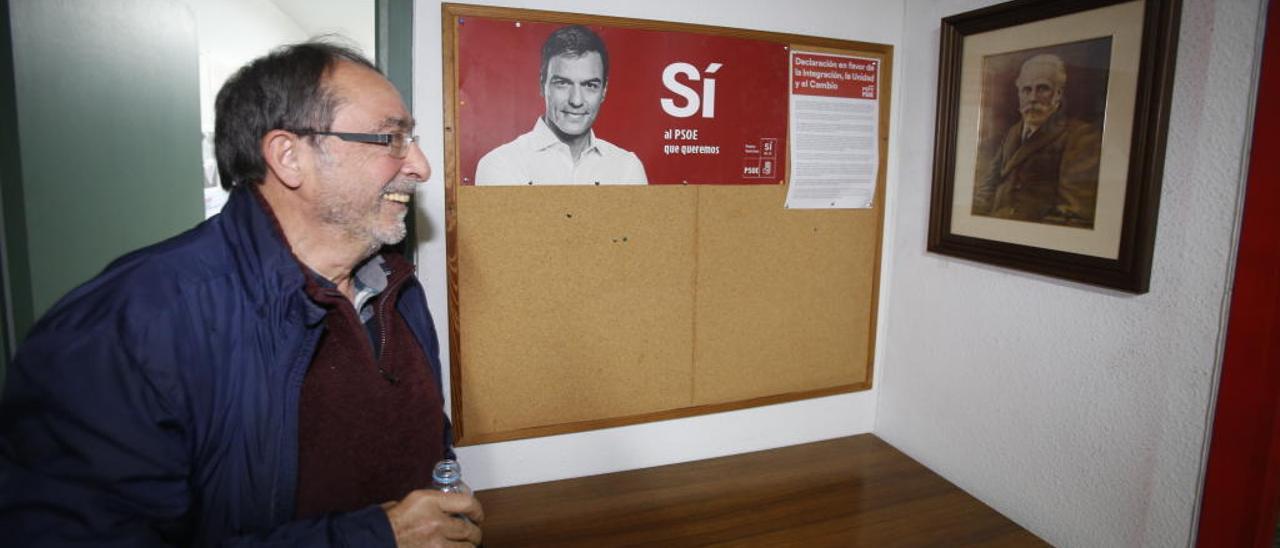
{"type": "Point", "coordinates": [579, 307]}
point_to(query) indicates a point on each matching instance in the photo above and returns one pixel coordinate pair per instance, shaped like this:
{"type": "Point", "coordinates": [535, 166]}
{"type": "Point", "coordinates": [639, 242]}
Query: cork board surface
{"type": "Point", "coordinates": [783, 296]}
{"type": "Point", "coordinates": [577, 303]}
{"type": "Point", "coordinates": [583, 307]}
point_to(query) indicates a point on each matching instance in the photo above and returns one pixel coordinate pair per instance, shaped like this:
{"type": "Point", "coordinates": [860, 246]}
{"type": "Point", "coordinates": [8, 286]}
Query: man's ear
{"type": "Point", "coordinates": [282, 152]}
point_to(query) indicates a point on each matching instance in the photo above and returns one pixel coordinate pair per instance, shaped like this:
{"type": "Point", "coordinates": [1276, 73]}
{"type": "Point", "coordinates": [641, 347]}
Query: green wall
{"type": "Point", "coordinates": [101, 137]}
{"type": "Point", "coordinates": [107, 110]}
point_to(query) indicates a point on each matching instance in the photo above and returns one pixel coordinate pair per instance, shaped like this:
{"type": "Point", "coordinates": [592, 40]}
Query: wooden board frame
{"type": "Point", "coordinates": [465, 433]}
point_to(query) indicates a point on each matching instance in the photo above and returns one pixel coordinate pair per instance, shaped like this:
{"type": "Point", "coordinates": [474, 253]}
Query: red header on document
{"type": "Point", "coordinates": [835, 76]}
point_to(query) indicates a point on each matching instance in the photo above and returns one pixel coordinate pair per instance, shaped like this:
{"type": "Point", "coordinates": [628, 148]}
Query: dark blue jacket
{"type": "Point", "coordinates": [157, 404]}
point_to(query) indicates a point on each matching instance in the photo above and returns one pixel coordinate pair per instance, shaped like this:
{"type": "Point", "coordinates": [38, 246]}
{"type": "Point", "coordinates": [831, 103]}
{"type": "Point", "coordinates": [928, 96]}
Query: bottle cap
{"type": "Point", "coordinates": [447, 471]}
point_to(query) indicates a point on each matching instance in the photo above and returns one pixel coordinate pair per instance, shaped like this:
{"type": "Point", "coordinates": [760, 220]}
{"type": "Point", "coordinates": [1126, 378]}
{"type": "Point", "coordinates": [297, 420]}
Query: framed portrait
{"type": "Point", "coordinates": [1050, 137]}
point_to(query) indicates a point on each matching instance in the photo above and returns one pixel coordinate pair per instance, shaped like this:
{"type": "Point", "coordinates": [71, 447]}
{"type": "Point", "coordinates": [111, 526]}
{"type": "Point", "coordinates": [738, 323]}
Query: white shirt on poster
{"type": "Point", "coordinates": [540, 158]}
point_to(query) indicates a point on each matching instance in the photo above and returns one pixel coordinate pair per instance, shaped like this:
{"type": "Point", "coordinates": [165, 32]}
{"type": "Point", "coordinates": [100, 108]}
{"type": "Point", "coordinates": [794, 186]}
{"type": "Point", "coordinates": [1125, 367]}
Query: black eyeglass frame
{"type": "Point", "coordinates": [384, 139]}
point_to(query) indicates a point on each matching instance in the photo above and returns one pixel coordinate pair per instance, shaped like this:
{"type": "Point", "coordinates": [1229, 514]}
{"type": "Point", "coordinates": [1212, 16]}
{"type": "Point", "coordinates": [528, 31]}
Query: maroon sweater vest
{"type": "Point", "coordinates": [370, 428]}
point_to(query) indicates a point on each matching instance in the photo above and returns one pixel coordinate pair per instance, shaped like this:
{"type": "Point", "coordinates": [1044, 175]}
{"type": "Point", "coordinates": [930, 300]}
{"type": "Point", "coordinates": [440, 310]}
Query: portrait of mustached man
{"type": "Point", "coordinates": [1044, 167]}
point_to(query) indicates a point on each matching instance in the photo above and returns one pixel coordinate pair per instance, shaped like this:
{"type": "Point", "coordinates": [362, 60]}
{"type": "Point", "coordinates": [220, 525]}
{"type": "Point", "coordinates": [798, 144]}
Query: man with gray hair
{"type": "Point", "coordinates": [270, 377]}
{"type": "Point", "coordinates": [1045, 169]}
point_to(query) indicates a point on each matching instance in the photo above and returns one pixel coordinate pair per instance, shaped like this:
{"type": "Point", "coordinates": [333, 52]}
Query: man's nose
{"type": "Point", "coordinates": [416, 168]}
{"type": "Point", "coordinates": [575, 96]}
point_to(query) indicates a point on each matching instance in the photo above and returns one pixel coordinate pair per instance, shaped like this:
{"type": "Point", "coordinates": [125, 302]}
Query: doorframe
{"type": "Point", "coordinates": [14, 270]}
{"type": "Point", "coordinates": [8, 132]}
{"type": "Point", "coordinates": [393, 49]}
{"type": "Point", "coordinates": [1242, 479]}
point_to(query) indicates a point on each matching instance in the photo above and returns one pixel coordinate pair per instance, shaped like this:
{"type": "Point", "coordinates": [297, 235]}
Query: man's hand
{"type": "Point", "coordinates": [427, 518]}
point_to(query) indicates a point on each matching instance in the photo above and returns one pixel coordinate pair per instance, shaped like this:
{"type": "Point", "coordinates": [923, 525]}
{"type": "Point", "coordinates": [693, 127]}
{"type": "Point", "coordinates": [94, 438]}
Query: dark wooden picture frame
{"type": "Point", "coordinates": [1111, 107]}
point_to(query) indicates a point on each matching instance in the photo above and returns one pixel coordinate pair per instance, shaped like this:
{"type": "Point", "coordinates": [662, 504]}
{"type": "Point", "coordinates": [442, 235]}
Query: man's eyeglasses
{"type": "Point", "coordinates": [397, 143]}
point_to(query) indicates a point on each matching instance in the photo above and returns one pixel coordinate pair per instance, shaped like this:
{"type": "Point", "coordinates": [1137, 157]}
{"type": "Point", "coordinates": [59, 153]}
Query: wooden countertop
{"type": "Point", "coordinates": [855, 491]}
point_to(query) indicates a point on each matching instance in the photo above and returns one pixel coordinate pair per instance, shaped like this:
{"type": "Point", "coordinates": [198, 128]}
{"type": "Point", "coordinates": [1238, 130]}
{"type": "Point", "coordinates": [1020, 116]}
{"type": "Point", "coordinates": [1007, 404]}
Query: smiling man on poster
{"type": "Point", "coordinates": [561, 148]}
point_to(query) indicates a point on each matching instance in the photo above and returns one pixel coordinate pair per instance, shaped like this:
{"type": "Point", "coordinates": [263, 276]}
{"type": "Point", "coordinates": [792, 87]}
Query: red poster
{"type": "Point", "coordinates": [692, 108]}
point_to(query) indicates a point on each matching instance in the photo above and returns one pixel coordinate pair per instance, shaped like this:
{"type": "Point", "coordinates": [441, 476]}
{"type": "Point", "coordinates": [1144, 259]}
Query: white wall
{"type": "Point", "coordinates": [1091, 436]}
{"type": "Point", "coordinates": [1078, 412]}
{"type": "Point", "coordinates": [231, 33]}
{"type": "Point", "coordinates": [652, 444]}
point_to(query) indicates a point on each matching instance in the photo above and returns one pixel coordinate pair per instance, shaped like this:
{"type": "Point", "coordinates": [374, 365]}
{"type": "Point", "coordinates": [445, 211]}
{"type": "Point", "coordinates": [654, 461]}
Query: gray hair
{"type": "Point", "coordinates": [1053, 63]}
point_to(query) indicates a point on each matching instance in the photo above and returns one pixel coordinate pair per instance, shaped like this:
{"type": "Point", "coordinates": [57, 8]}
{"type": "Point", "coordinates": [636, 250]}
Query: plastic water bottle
{"type": "Point", "coordinates": [447, 477]}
